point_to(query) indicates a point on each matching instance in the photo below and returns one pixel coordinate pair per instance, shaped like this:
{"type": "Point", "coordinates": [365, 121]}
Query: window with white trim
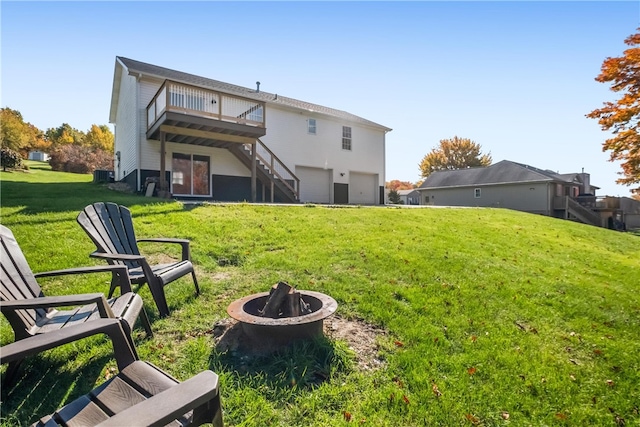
{"type": "Point", "coordinates": [476, 193]}
{"type": "Point", "coordinates": [346, 138]}
{"type": "Point", "coordinates": [311, 126]}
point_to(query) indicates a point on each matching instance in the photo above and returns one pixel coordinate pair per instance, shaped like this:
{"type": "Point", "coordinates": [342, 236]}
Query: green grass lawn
{"type": "Point", "coordinates": [491, 317]}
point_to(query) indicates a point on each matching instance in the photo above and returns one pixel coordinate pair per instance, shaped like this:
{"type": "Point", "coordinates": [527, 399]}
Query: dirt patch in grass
{"type": "Point", "coordinates": [360, 336]}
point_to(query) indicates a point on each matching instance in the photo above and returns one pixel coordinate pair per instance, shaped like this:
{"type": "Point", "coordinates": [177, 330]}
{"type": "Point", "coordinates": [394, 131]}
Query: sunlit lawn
{"type": "Point", "coordinates": [493, 317]}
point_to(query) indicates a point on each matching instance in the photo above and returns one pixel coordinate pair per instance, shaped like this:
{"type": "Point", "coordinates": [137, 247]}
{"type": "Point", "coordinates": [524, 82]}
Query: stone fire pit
{"type": "Point", "coordinates": [265, 317]}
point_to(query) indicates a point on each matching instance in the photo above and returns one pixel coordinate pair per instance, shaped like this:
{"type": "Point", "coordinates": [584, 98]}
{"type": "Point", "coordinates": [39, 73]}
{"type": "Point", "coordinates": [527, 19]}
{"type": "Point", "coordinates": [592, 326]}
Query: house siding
{"type": "Point", "coordinates": [125, 131]}
{"type": "Point", "coordinates": [288, 138]}
{"type": "Point", "coordinates": [528, 197]}
{"type": "Point", "coordinates": [149, 150]}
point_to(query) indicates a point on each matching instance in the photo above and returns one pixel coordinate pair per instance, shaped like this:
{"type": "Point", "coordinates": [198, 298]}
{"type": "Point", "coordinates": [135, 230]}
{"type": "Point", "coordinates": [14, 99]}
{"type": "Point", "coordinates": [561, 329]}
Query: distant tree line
{"type": "Point", "coordinates": [70, 149]}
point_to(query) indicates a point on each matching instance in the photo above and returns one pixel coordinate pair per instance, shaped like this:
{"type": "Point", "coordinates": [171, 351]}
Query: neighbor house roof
{"type": "Point", "coordinates": [503, 172]}
{"type": "Point", "coordinates": [134, 67]}
{"type": "Point", "coordinates": [405, 192]}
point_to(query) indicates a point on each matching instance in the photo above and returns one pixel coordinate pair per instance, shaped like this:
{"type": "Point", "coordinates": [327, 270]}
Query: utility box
{"type": "Point", "coordinates": [100, 175]}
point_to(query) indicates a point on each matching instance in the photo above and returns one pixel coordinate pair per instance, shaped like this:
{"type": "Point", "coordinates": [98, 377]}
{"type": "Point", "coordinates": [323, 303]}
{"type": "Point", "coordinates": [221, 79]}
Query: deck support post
{"type": "Point", "coordinates": [163, 182]}
{"type": "Point", "coordinates": [254, 160]}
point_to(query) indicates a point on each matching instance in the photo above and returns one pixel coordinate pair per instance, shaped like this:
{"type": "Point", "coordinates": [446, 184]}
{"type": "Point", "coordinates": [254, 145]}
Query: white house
{"type": "Point", "coordinates": [231, 143]}
{"type": "Point", "coordinates": [39, 156]}
{"type": "Point", "coordinates": [409, 197]}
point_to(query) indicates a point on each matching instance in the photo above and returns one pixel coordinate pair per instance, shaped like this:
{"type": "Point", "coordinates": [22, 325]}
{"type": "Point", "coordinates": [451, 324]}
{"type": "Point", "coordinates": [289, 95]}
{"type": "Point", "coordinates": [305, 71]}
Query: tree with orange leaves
{"type": "Point", "coordinates": [622, 117]}
{"type": "Point", "coordinates": [396, 184]}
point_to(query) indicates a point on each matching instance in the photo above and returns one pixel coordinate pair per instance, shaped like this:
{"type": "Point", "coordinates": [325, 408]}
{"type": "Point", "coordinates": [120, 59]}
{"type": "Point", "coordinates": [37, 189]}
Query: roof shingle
{"type": "Point", "coordinates": [179, 76]}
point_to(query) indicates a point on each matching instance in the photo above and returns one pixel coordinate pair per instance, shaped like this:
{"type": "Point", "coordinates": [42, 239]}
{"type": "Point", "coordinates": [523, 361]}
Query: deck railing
{"type": "Point", "coordinates": [196, 101]}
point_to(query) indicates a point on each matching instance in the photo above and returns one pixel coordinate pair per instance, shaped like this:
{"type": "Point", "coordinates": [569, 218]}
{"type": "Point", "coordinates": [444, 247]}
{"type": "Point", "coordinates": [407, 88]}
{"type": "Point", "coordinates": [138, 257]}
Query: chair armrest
{"type": "Point", "coordinates": [60, 301]}
{"type": "Point", "coordinates": [116, 257]}
{"type": "Point", "coordinates": [119, 274]}
{"type": "Point", "coordinates": [170, 404]}
{"type": "Point", "coordinates": [186, 251]}
{"type": "Point", "coordinates": [125, 353]}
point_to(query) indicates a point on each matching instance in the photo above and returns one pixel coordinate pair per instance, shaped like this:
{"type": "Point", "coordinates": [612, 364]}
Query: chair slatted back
{"type": "Point", "coordinates": [18, 283]}
{"type": "Point", "coordinates": [110, 227]}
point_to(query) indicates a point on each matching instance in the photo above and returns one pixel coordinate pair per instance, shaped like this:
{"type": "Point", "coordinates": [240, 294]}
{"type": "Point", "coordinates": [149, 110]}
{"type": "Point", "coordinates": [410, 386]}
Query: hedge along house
{"type": "Point", "coordinates": [230, 143]}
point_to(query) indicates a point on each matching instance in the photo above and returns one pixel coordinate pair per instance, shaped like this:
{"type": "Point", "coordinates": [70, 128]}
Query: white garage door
{"type": "Point", "coordinates": [362, 188]}
{"type": "Point", "coordinates": [315, 184]}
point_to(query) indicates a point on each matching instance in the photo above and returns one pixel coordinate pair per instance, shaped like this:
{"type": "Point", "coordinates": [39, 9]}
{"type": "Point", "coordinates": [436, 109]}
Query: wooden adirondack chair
{"type": "Point", "coordinates": [30, 312]}
{"type": "Point", "coordinates": [140, 395]}
{"type": "Point", "coordinates": [110, 227]}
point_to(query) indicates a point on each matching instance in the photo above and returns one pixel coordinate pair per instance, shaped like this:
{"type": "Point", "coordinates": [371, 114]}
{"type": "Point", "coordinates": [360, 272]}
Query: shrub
{"type": "Point", "coordinates": [394, 198]}
{"type": "Point", "coordinates": [80, 159]}
{"type": "Point", "coordinates": [9, 158]}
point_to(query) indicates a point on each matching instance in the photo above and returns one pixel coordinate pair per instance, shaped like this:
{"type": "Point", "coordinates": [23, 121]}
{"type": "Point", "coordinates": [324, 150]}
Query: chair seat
{"type": "Point", "coordinates": [166, 272]}
{"type": "Point", "coordinates": [134, 384]}
{"type": "Point", "coordinates": [126, 306]}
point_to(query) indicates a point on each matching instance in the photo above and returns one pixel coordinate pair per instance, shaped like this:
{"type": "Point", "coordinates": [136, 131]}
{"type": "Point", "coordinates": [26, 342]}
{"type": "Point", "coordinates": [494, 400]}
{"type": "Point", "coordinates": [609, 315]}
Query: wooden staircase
{"type": "Point", "coordinates": [581, 213]}
{"type": "Point", "coordinates": [279, 183]}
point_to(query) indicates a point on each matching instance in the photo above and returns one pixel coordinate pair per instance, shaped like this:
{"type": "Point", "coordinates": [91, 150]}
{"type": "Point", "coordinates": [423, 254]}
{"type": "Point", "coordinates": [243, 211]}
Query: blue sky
{"type": "Point", "coordinates": [515, 77]}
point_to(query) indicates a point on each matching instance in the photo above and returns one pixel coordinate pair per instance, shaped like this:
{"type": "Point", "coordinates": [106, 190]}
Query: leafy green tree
{"type": "Point", "coordinates": [451, 154]}
{"type": "Point", "coordinates": [18, 135]}
{"type": "Point", "coordinates": [64, 134]}
{"type": "Point", "coordinates": [623, 116]}
{"type": "Point", "coordinates": [394, 198]}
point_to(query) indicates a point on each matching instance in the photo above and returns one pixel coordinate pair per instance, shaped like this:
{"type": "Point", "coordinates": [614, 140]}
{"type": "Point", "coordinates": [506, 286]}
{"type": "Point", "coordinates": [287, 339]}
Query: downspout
{"type": "Point", "coordinates": [138, 137]}
{"type": "Point", "coordinates": [384, 169]}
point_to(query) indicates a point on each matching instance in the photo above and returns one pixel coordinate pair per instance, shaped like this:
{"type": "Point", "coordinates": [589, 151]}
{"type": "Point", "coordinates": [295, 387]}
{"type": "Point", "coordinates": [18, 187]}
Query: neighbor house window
{"type": "Point", "coordinates": [346, 138]}
{"type": "Point", "coordinates": [311, 126]}
{"type": "Point", "coordinates": [476, 193]}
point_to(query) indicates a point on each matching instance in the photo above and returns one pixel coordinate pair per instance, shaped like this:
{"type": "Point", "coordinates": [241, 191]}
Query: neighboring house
{"type": "Point", "coordinates": [517, 186]}
{"type": "Point", "coordinates": [631, 212]}
{"type": "Point", "coordinates": [38, 156]}
{"type": "Point", "coordinates": [409, 197]}
{"type": "Point", "coordinates": [231, 143]}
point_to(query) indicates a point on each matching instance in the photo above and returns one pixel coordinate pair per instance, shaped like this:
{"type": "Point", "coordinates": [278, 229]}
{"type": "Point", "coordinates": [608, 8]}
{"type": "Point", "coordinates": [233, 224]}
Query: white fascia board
{"type": "Point", "coordinates": [115, 90]}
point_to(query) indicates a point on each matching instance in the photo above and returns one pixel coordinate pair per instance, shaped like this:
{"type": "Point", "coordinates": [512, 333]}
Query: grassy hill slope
{"type": "Point", "coordinates": [487, 316]}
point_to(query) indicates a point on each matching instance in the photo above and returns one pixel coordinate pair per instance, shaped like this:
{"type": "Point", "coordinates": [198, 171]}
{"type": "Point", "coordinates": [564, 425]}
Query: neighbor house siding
{"type": "Point", "coordinates": [126, 132]}
{"type": "Point", "coordinates": [532, 197]}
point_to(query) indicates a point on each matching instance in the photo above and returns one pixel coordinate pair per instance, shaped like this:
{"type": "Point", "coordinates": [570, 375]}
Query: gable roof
{"type": "Point", "coordinates": [405, 192]}
{"type": "Point", "coordinates": [136, 67]}
{"type": "Point", "coordinates": [503, 172]}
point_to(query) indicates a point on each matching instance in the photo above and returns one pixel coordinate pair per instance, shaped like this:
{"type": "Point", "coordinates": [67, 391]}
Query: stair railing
{"type": "Point", "coordinates": [275, 167]}
{"type": "Point", "coordinates": [587, 215]}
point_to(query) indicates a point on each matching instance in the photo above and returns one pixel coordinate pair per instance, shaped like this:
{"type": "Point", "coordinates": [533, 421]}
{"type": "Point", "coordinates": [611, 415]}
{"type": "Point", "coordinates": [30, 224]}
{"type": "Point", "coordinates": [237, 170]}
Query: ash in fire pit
{"type": "Point", "coordinates": [282, 315]}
